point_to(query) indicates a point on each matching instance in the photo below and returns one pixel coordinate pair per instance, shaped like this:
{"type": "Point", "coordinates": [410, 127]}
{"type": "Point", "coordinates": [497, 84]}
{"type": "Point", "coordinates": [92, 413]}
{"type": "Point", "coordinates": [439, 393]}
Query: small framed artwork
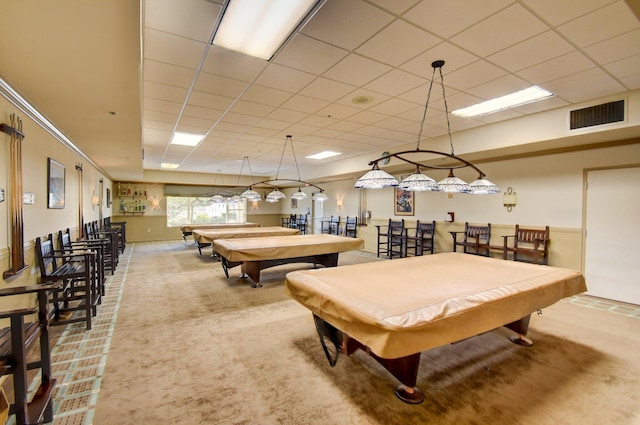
{"type": "Point", "coordinates": [108, 198]}
{"type": "Point", "coordinates": [294, 203]}
{"type": "Point", "coordinates": [56, 175]}
{"type": "Point", "coordinates": [403, 202]}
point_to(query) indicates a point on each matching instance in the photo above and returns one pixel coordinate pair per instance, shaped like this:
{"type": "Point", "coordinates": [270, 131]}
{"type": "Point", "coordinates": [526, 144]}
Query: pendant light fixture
{"type": "Point", "coordinates": [379, 179]}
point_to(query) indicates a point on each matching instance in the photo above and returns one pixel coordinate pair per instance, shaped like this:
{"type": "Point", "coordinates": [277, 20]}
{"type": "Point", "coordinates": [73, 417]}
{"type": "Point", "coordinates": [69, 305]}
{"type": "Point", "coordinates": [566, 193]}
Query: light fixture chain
{"type": "Point", "coordinates": [446, 110]}
{"type": "Point", "coordinates": [424, 114]}
{"type": "Point", "coordinates": [284, 147]}
{"type": "Point", "coordinates": [294, 155]}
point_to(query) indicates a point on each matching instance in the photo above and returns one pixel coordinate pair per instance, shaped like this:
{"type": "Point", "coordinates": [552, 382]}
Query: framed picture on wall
{"type": "Point", "coordinates": [56, 174]}
{"type": "Point", "coordinates": [108, 198]}
{"type": "Point", "coordinates": [403, 202]}
{"type": "Point", "coordinates": [294, 203]}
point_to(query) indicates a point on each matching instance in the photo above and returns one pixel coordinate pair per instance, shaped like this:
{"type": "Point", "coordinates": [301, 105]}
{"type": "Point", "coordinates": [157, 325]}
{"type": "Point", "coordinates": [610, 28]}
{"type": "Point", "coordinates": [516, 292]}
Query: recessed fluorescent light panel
{"type": "Point", "coordinates": [522, 97]}
{"type": "Point", "coordinates": [259, 28]}
{"type": "Point", "coordinates": [186, 139]}
{"type": "Point", "coordinates": [323, 155]}
{"type": "Point", "coordinates": [168, 165]}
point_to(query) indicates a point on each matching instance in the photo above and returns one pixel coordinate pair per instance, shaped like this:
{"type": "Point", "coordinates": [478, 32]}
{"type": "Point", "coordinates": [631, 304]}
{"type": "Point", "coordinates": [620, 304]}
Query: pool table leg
{"type": "Point", "coordinates": [521, 327]}
{"type": "Point", "coordinates": [404, 369]}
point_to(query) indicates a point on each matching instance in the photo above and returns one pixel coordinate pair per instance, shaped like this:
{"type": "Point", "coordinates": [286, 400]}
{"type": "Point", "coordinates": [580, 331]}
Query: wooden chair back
{"type": "Point", "coordinates": [529, 245]}
{"type": "Point", "coordinates": [351, 227]}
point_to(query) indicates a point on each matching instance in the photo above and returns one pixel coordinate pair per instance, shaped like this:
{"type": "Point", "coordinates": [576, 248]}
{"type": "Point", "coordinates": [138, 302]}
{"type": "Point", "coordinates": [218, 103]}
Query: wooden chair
{"type": "Point", "coordinates": [78, 295]}
{"type": "Point", "coordinates": [391, 239]}
{"type": "Point", "coordinates": [529, 245]}
{"type": "Point", "coordinates": [332, 226]}
{"type": "Point", "coordinates": [351, 227]}
{"type": "Point", "coordinates": [475, 239]}
{"type": "Point", "coordinates": [423, 239]}
{"type": "Point", "coordinates": [301, 224]}
{"type": "Point", "coordinates": [109, 238]}
{"type": "Point", "coordinates": [16, 342]}
{"type": "Point", "coordinates": [121, 228]}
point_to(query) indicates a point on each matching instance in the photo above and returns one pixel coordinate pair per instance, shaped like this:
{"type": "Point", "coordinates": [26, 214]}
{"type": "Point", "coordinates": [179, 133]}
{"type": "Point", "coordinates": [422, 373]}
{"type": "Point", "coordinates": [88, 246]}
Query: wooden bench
{"type": "Point", "coordinates": [475, 239]}
{"type": "Point", "coordinates": [528, 245]}
{"type": "Point", "coordinates": [79, 291]}
{"type": "Point", "coordinates": [16, 342]}
{"type": "Point", "coordinates": [68, 246]}
{"type": "Point", "coordinates": [120, 227]}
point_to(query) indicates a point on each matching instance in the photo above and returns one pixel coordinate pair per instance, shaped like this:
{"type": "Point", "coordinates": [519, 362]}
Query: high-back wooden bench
{"type": "Point", "coordinates": [78, 296]}
{"type": "Point", "coordinates": [422, 240]}
{"type": "Point", "coordinates": [528, 245]}
{"type": "Point", "coordinates": [391, 239]}
{"type": "Point", "coordinates": [473, 240]}
{"type": "Point", "coordinates": [18, 340]}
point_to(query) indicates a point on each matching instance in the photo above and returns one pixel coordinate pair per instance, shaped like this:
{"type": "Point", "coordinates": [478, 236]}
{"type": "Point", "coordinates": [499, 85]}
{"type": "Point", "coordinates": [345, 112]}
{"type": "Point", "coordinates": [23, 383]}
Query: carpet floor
{"type": "Point", "coordinates": [188, 346]}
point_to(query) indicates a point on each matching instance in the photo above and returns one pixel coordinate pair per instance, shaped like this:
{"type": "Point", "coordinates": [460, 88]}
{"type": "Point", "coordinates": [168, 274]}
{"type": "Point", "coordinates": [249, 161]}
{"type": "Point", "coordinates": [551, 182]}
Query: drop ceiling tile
{"type": "Point", "coordinates": [163, 47]}
{"type": "Point", "coordinates": [160, 116]}
{"type": "Point", "coordinates": [274, 124]}
{"type": "Point", "coordinates": [265, 95]}
{"type": "Point", "coordinates": [615, 48]}
{"type": "Point", "coordinates": [234, 65]}
{"type": "Point", "coordinates": [393, 106]}
{"type": "Point", "coordinates": [453, 56]}
{"type": "Point", "coordinates": [318, 121]}
{"type": "Point", "coordinates": [219, 85]}
{"type": "Point", "coordinates": [472, 75]}
{"type": "Point", "coordinates": [432, 15]}
{"type": "Point", "coordinates": [251, 108]}
{"type": "Point", "coordinates": [208, 100]}
{"type": "Point", "coordinates": [309, 55]}
{"type": "Point", "coordinates": [162, 106]}
{"type": "Point", "coordinates": [556, 68]}
{"type": "Point", "coordinates": [304, 104]}
{"type": "Point", "coordinates": [395, 83]}
{"type": "Point", "coordinates": [487, 37]}
{"type": "Point", "coordinates": [284, 78]}
{"type": "Point", "coordinates": [243, 119]}
{"type": "Point", "coordinates": [499, 87]}
{"type": "Point", "coordinates": [357, 70]}
{"type": "Point", "coordinates": [558, 12]}
{"type": "Point", "coordinates": [326, 89]}
{"type": "Point", "coordinates": [533, 51]}
{"type": "Point", "coordinates": [166, 73]}
{"type": "Point", "coordinates": [334, 23]}
{"type": "Point", "coordinates": [617, 12]}
{"type": "Point", "coordinates": [586, 85]}
{"type": "Point", "coordinates": [286, 115]}
{"type": "Point", "coordinates": [397, 43]}
{"type": "Point", "coordinates": [338, 111]}
{"type": "Point", "coordinates": [201, 112]}
{"type": "Point", "coordinates": [397, 7]}
{"type": "Point", "coordinates": [164, 92]}
{"type": "Point", "coordinates": [157, 125]}
{"type": "Point", "coordinates": [192, 19]}
{"type": "Point", "coordinates": [627, 68]}
{"type": "Point", "coordinates": [367, 117]}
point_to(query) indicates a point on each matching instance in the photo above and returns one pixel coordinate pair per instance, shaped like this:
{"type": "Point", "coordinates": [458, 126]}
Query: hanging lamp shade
{"type": "Point", "coordinates": [417, 182]}
{"type": "Point", "coordinates": [218, 199]}
{"type": "Point", "coordinates": [251, 195]}
{"type": "Point", "coordinates": [276, 194]}
{"type": "Point", "coordinates": [482, 186]}
{"type": "Point", "coordinates": [235, 199]}
{"type": "Point", "coordinates": [299, 195]}
{"type": "Point", "coordinates": [453, 184]}
{"type": "Point", "coordinates": [320, 196]}
{"type": "Point", "coordinates": [376, 179]}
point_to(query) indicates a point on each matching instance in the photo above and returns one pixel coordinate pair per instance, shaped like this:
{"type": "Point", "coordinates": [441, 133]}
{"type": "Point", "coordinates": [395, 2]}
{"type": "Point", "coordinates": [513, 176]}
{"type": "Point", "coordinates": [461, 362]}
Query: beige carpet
{"type": "Point", "coordinates": [192, 347]}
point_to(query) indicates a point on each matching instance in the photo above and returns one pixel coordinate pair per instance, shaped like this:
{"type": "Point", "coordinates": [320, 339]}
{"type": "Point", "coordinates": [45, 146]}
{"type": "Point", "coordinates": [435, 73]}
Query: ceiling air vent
{"type": "Point", "coordinates": [597, 115]}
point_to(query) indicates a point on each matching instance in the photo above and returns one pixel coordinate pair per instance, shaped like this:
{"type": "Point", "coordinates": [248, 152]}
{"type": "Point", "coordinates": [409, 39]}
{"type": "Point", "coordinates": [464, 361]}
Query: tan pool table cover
{"type": "Point", "coordinates": [210, 235]}
{"type": "Point", "coordinates": [278, 247]}
{"type": "Point", "coordinates": [192, 227]}
{"type": "Point", "coordinates": [405, 306]}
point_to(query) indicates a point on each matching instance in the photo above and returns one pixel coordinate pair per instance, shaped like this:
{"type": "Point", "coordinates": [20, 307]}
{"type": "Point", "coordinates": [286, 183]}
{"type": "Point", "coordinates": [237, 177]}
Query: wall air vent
{"type": "Point", "coordinates": [597, 115]}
